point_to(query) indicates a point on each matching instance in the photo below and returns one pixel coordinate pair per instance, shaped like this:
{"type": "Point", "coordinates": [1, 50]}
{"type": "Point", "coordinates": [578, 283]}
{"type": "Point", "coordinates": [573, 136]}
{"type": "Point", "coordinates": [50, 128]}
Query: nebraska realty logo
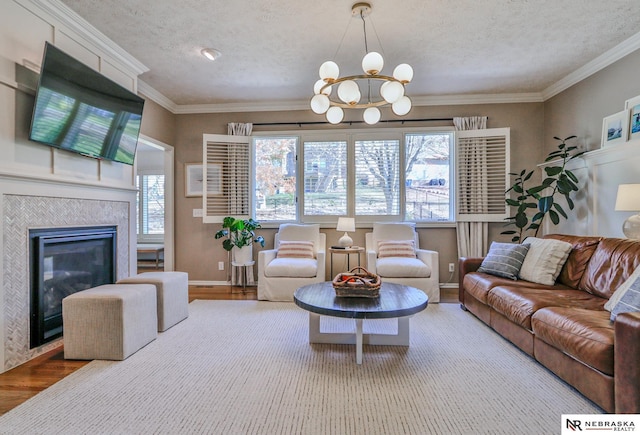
{"type": "Point", "coordinates": [605, 423]}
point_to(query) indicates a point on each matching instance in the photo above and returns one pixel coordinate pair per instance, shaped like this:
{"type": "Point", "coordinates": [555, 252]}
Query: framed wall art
{"type": "Point", "coordinates": [633, 106]}
{"type": "Point", "coordinates": [193, 179]}
{"type": "Point", "coordinates": [614, 128]}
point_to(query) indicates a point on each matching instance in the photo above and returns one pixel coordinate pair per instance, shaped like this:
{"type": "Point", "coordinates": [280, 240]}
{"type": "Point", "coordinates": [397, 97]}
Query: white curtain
{"type": "Point", "coordinates": [473, 198]}
{"type": "Point", "coordinates": [238, 191]}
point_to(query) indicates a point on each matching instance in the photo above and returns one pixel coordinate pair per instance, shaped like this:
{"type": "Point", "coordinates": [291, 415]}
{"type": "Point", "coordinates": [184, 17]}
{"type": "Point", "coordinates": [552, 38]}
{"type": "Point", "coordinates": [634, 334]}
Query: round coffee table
{"type": "Point", "coordinates": [395, 301]}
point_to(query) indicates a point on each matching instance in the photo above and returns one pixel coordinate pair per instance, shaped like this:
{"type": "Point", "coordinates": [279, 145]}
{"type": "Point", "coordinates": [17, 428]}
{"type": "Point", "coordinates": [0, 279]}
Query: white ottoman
{"type": "Point", "coordinates": [172, 295]}
{"type": "Point", "coordinates": [109, 322]}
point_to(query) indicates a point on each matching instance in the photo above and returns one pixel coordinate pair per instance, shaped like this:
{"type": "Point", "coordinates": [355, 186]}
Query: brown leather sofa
{"type": "Point", "coordinates": [565, 326]}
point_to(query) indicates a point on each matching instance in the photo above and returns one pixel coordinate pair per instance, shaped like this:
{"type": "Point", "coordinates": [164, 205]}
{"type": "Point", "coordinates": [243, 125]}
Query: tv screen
{"type": "Point", "coordinates": [80, 110]}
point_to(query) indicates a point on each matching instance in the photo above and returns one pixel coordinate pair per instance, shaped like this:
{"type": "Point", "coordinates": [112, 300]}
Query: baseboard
{"type": "Point", "coordinates": [208, 283]}
{"type": "Point", "coordinates": [449, 285]}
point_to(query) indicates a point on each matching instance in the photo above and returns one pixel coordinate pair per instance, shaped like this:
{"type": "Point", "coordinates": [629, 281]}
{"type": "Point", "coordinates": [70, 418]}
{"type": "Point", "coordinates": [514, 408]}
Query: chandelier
{"type": "Point", "coordinates": [389, 92]}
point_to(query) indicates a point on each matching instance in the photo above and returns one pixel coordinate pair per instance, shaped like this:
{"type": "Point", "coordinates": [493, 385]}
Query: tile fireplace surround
{"type": "Point", "coordinates": [21, 213]}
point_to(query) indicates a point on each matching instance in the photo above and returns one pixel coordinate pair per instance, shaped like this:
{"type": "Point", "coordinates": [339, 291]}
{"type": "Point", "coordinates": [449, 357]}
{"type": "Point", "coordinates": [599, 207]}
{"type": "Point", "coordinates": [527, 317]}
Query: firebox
{"type": "Point", "coordinates": [65, 261]}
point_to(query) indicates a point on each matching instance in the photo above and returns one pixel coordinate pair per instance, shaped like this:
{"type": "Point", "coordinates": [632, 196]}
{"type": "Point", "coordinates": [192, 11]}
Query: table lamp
{"type": "Point", "coordinates": [628, 199]}
{"type": "Point", "coordinates": [346, 224]}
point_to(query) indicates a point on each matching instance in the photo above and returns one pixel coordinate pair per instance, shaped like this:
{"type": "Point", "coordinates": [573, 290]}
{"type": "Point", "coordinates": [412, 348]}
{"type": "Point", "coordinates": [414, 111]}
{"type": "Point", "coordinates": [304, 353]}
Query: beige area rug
{"type": "Point", "coordinates": [246, 367]}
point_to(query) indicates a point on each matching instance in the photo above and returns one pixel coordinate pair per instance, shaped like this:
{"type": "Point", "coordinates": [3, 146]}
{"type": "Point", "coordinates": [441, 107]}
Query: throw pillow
{"type": "Point", "coordinates": [295, 249]}
{"type": "Point", "coordinates": [630, 301]}
{"type": "Point", "coordinates": [396, 248]}
{"type": "Point", "coordinates": [504, 259]}
{"type": "Point", "coordinates": [544, 260]}
{"type": "Point", "coordinates": [620, 291]}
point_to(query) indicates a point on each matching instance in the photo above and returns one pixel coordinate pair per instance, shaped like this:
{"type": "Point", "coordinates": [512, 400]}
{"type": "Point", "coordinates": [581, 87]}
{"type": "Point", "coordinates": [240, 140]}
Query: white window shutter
{"type": "Point", "coordinates": [226, 177]}
{"type": "Point", "coordinates": [483, 174]}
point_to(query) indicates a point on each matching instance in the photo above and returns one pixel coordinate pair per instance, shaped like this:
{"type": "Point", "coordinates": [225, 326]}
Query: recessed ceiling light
{"type": "Point", "coordinates": [211, 53]}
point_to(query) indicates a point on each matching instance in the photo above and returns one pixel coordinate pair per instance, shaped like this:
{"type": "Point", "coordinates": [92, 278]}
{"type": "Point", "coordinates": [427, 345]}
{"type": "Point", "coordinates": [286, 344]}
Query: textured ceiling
{"type": "Point", "coordinates": [272, 48]}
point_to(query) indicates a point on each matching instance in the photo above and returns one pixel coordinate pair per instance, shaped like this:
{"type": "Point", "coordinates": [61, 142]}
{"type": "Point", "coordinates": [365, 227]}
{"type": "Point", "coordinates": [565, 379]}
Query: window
{"type": "Point", "coordinates": [373, 175]}
{"type": "Point", "coordinates": [150, 205]}
{"type": "Point", "coordinates": [428, 176]}
{"type": "Point", "coordinates": [275, 178]}
{"type": "Point", "coordinates": [377, 172]}
{"type": "Point", "coordinates": [325, 176]}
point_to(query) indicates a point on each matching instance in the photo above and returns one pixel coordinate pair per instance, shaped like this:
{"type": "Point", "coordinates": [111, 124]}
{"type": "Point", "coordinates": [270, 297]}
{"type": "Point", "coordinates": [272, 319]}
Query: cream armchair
{"type": "Point", "coordinates": [393, 253]}
{"type": "Point", "coordinates": [298, 259]}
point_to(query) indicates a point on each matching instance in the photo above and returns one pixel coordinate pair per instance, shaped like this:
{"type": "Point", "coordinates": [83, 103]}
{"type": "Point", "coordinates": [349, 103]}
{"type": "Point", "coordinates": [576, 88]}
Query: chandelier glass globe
{"type": "Point", "coordinates": [329, 71]}
{"type": "Point", "coordinates": [349, 92]}
{"type": "Point", "coordinates": [320, 104]}
{"type": "Point", "coordinates": [403, 73]}
{"type": "Point", "coordinates": [391, 91]}
{"type": "Point", "coordinates": [371, 115]}
{"type": "Point", "coordinates": [335, 115]}
{"type": "Point", "coordinates": [372, 63]}
{"type": "Point", "coordinates": [402, 106]}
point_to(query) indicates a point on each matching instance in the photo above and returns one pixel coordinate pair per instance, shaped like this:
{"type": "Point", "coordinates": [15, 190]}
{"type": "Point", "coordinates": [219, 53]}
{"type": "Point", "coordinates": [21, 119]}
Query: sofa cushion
{"type": "Point", "coordinates": [574, 267]}
{"type": "Point", "coordinates": [292, 268]}
{"type": "Point", "coordinates": [402, 267]}
{"type": "Point", "coordinates": [621, 290]}
{"type": "Point", "coordinates": [630, 301]}
{"type": "Point", "coordinates": [479, 284]}
{"type": "Point", "coordinates": [586, 335]}
{"type": "Point", "coordinates": [504, 259]}
{"type": "Point", "coordinates": [519, 303]}
{"type": "Point", "coordinates": [396, 248]}
{"type": "Point", "coordinates": [544, 260]}
{"type": "Point", "coordinates": [612, 263]}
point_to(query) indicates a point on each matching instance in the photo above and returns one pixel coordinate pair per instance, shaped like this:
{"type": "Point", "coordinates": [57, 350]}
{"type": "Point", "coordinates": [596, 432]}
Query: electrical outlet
{"type": "Point", "coordinates": [197, 212]}
{"type": "Point", "coordinates": [220, 265]}
{"type": "Point", "coordinates": [452, 267]}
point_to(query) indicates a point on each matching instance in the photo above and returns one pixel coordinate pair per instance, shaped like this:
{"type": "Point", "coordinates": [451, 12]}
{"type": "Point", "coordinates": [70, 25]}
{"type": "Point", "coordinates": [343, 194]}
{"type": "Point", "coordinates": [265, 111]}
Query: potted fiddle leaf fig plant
{"type": "Point", "coordinates": [543, 198]}
{"type": "Point", "coordinates": [240, 234]}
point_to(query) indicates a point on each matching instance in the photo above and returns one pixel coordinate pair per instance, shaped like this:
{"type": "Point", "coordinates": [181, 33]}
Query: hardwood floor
{"type": "Point", "coordinates": [20, 383]}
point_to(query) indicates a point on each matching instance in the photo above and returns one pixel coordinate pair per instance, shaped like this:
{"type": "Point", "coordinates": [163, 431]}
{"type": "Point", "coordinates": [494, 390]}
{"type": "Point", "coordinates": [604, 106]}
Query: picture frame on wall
{"type": "Point", "coordinates": [614, 129]}
{"type": "Point", "coordinates": [633, 106]}
{"type": "Point", "coordinates": [193, 179]}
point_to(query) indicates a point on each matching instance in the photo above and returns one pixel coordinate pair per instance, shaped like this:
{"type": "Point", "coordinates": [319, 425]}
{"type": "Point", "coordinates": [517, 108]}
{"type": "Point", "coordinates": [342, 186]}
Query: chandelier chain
{"type": "Point", "coordinates": [366, 50]}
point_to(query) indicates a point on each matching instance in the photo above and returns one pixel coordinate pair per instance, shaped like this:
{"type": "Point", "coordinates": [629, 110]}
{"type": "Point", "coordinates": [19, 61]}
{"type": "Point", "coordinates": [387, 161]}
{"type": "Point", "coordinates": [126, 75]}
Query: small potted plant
{"type": "Point", "coordinates": [240, 234]}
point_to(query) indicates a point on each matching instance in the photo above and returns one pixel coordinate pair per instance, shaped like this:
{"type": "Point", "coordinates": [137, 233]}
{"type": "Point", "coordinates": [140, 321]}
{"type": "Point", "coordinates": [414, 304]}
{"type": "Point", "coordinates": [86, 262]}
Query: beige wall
{"type": "Point", "coordinates": [580, 109]}
{"type": "Point", "coordinates": [198, 253]}
{"type": "Point", "coordinates": [157, 122]}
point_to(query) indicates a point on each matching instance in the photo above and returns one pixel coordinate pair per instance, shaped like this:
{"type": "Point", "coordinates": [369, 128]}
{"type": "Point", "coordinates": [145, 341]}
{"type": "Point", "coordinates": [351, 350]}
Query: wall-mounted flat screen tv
{"type": "Point", "coordinates": [80, 110]}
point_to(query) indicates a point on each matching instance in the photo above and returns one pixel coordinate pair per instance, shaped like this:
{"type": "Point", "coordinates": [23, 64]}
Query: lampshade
{"type": "Point", "coordinates": [628, 199]}
{"type": "Point", "coordinates": [346, 224]}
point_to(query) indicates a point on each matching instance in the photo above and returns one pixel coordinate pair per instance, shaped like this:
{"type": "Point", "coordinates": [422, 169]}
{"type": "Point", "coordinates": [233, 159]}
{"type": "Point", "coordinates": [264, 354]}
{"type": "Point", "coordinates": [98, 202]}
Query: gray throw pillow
{"type": "Point", "coordinates": [504, 259]}
{"type": "Point", "coordinates": [630, 302]}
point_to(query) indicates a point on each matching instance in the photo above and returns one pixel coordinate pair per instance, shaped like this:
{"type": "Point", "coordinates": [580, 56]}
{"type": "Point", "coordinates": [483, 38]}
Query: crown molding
{"type": "Point", "coordinates": [621, 50]}
{"type": "Point", "coordinates": [157, 97]}
{"type": "Point", "coordinates": [69, 19]}
{"type": "Point", "coordinates": [438, 100]}
{"type": "Point", "coordinates": [464, 99]}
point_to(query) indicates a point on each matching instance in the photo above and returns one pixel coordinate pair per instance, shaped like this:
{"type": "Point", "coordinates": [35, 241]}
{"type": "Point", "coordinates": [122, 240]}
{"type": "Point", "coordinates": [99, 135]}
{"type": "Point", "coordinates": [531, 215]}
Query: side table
{"type": "Point", "coordinates": [242, 268]}
{"type": "Point", "coordinates": [346, 251]}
